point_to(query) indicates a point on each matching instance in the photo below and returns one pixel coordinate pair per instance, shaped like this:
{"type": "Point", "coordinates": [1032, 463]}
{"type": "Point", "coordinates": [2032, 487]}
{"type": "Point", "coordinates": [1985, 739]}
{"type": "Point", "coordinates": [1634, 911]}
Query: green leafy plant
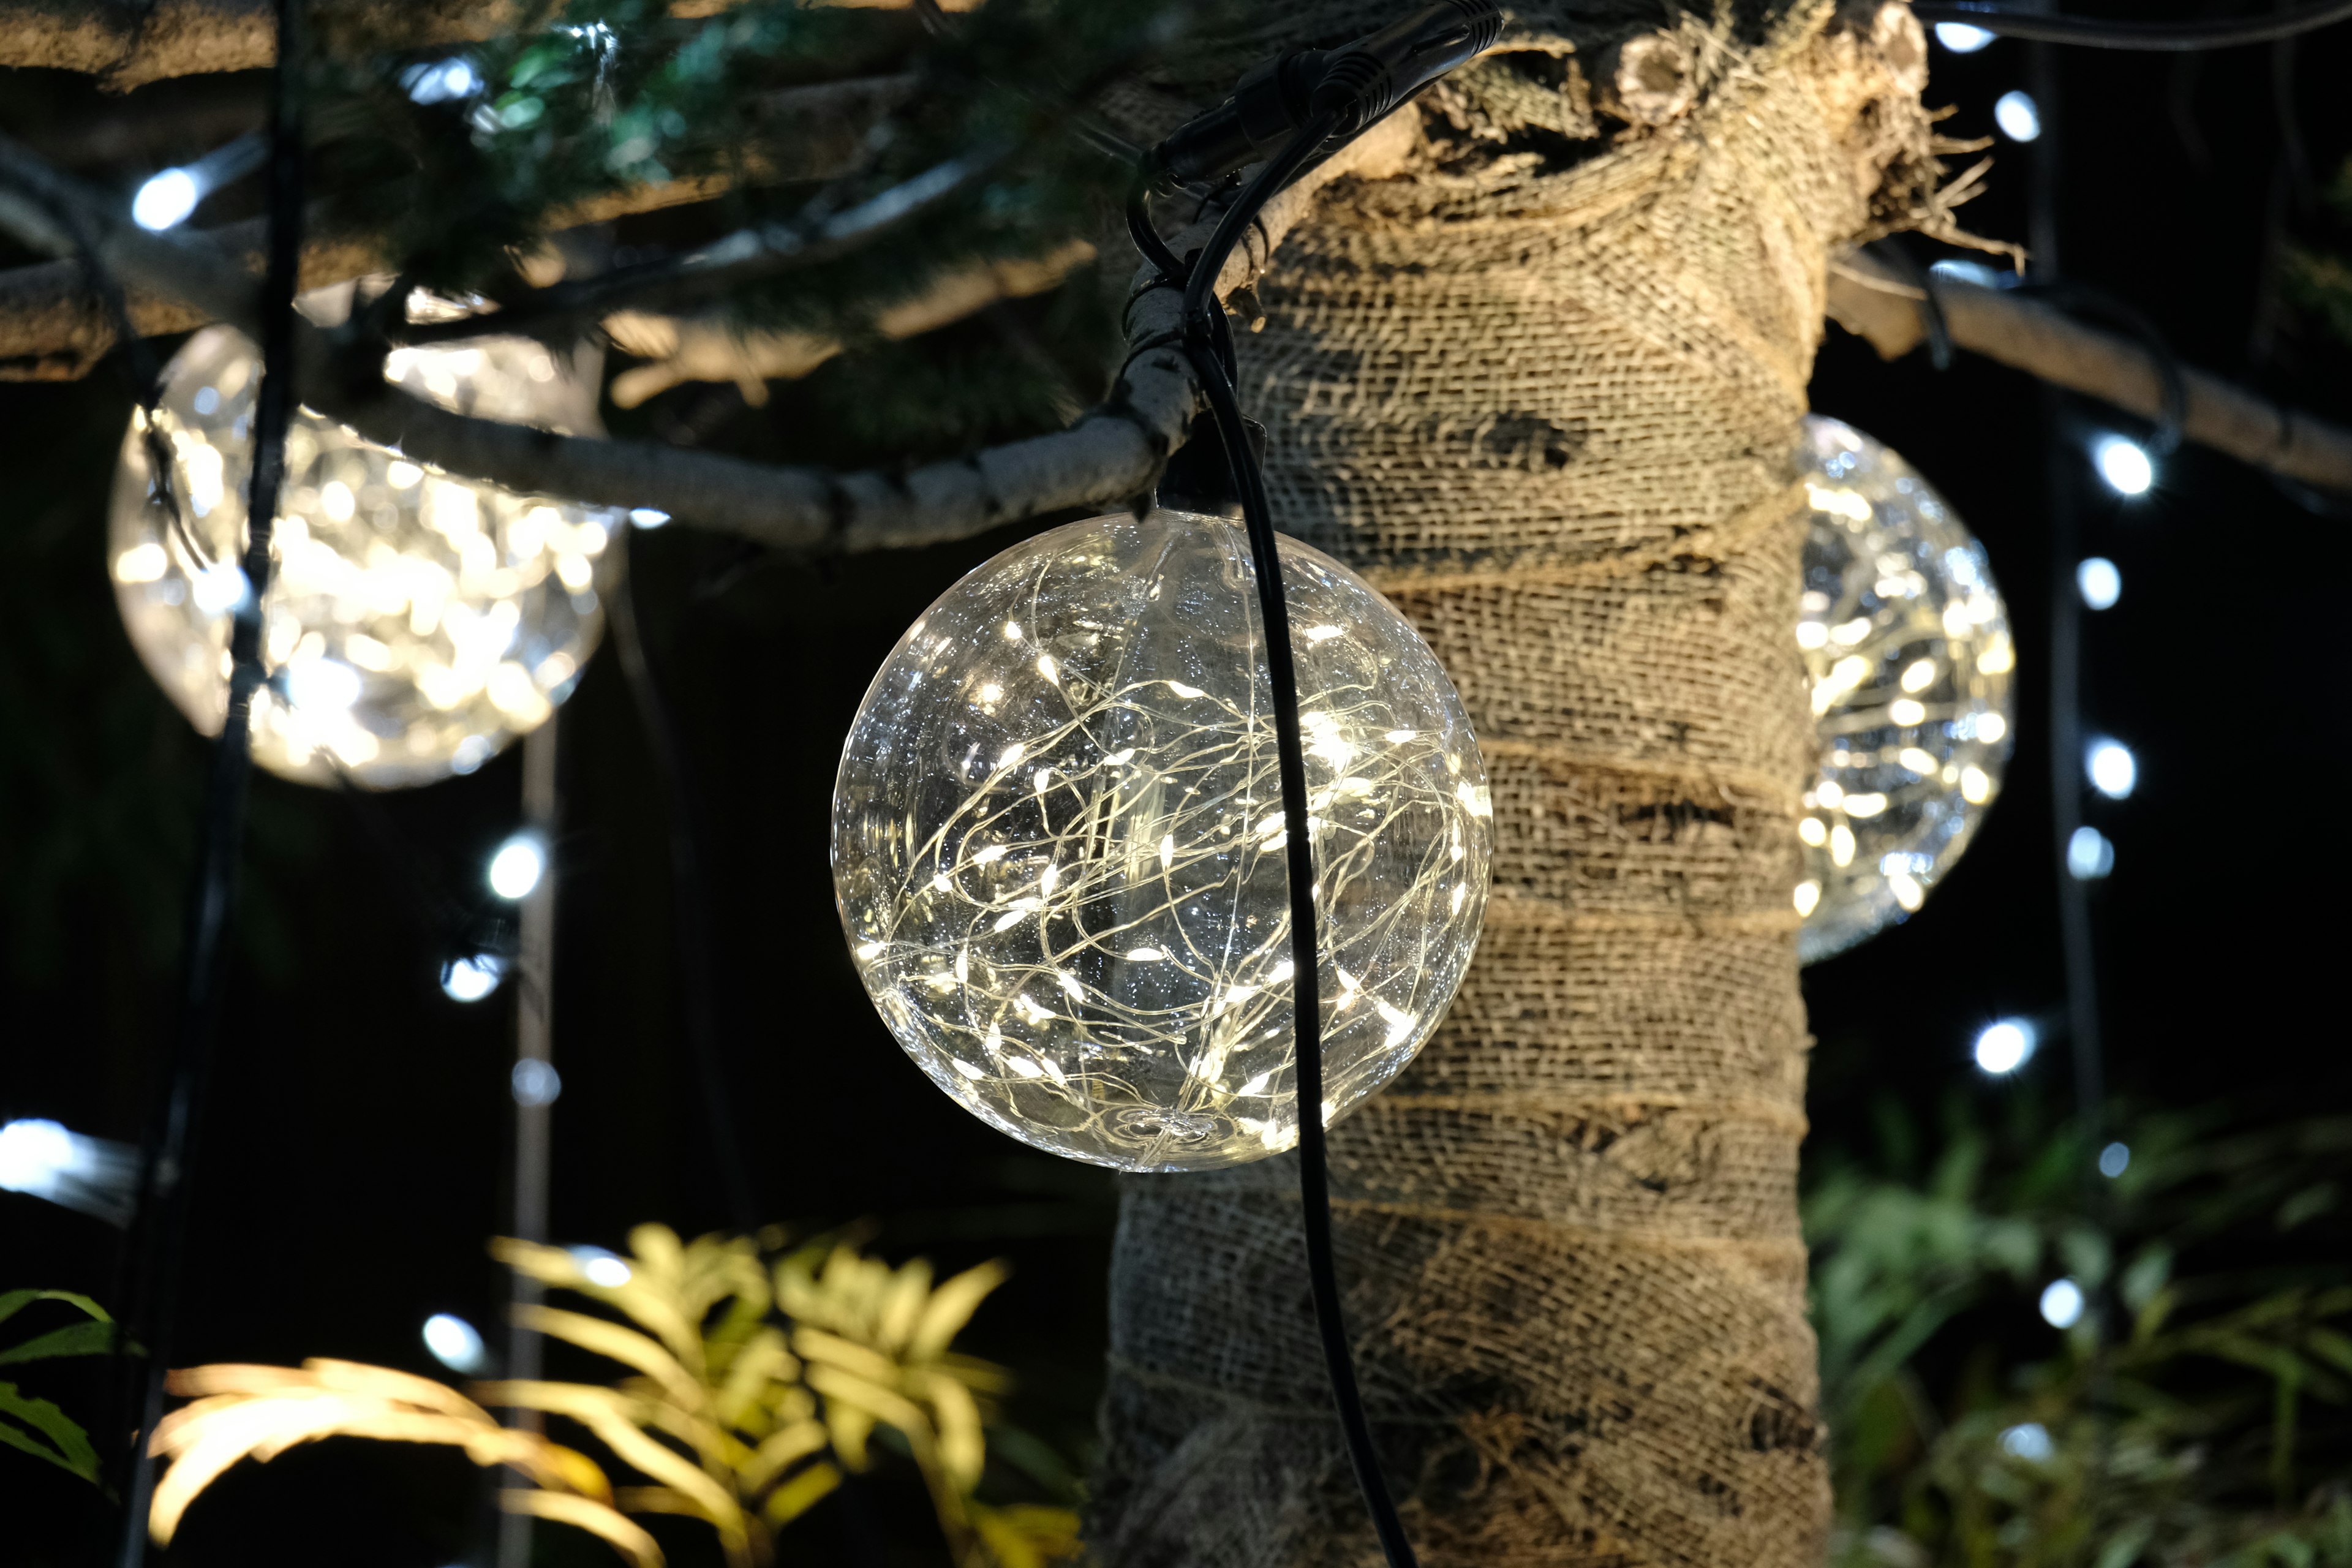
{"type": "Point", "coordinates": [36, 1426]}
{"type": "Point", "coordinates": [2193, 1414]}
{"type": "Point", "coordinates": [2320, 281]}
{"type": "Point", "coordinates": [757, 1384]}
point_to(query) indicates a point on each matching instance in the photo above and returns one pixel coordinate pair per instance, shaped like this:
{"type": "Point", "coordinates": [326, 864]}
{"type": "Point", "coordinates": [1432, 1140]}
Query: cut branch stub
{"type": "Point", "coordinates": [1901, 43]}
{"type": "Point", "coordinates": [1648, 80]}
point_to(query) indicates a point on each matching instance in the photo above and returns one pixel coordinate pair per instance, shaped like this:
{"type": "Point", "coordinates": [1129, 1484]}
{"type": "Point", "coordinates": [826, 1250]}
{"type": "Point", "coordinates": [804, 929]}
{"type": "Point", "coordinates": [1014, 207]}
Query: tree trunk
{"type": "Point", "coordinates": [1548, 407]}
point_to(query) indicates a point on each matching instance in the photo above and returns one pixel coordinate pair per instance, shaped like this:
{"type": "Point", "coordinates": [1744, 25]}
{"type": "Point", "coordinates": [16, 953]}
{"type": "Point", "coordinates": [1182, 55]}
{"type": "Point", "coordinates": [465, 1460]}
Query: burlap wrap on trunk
{"type": "Point", "coordinates": [1548, 409]}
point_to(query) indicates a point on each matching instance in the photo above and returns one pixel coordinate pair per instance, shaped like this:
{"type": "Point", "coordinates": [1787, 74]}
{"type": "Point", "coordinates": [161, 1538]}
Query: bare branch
{"type": "Point", "coordinates": [1868, 298]}
{"type": "Point", "coordinates": [1113, 452]}
{"type": "Point", "coordinates": [708, 348]}
{"type": "Point", "coordinates": [817, 235]}
{"type": "Point", "coordinates": [130, 43]}
{"type": "Point", "coordinates": [53, 329]}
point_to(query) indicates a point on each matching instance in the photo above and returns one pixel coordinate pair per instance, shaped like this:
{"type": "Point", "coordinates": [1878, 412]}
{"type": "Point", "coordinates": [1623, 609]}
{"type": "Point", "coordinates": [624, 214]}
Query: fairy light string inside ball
{"type": "Point", "coordinates": [1906, 644]}
{"type": "Point", "coordinates": [1059, 844]}
{"type": "Point", "coordinates": [416, 621]}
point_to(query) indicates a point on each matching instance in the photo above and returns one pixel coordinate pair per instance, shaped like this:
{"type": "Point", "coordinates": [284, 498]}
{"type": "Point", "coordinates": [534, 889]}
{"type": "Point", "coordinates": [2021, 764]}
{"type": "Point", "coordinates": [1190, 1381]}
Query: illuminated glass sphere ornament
{"type": "Point", "coordinates": [1907, 643]}
{"type": "Point", "coordinates": [416, 621]}
{"type": "Point", "coordinates": [1059, 842]}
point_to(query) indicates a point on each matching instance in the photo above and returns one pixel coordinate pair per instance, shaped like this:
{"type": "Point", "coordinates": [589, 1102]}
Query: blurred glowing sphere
{"type": "Point", "coordinates": [473, 976]}
{"type": "Point", "coordinates": [2124, 464]}
{"type": "Point", "coordinates": [417, 622]}
{"type": "Point", "coordinates": [2062, 1304]}
{"type": "Point", "coordinates": [517, 867]}
{"type": "Point", "coordinates": [456, 1343]}
{"type": "Point", "coordinates": [1907, 643]}
{"type": "Point", "coordinates": [2113, 771]}
{"type": "Point", "coordinates": [2006, 1046]}
{"type": "Point", "coordinates": [1058, 843]}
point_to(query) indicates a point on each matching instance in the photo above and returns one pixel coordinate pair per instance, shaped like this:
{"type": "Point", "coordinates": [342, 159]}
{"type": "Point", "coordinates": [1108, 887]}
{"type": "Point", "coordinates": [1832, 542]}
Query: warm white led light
{"type": "Point", "coordinates": [1906, 641]}
{"type": "Point", "coordinates": [416, 622]}
{"type": "Point", "coordinates": [1065, 884]}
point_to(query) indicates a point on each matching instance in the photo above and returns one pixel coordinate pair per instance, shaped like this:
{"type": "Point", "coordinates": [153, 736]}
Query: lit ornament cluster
{"type": "Point", "coordinates": [416, 621]}
{"type": "Point", "coordinates": [1907, 643]}
{"type": "Point", "coordinates": [1058, 843]}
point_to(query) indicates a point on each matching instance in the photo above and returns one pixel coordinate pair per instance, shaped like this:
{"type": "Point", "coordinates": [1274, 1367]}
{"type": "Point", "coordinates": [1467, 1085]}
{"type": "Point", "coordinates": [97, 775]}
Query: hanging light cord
{"type": "Point", "coordinates": [163, 1189]}
{"type": "Point", "coordinates": [1208, 344]}
{"type": "Point", "coordinates": [2176, 37]}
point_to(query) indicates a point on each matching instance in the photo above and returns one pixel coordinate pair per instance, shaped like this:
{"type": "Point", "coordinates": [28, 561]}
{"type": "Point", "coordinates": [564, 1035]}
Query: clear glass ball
{"type": "Point", "coordinates": [1906, 644]}
{"type": "Point", "coordinates": [416, 621]}
{"type": "Point", "coordinates": [1059, 842]}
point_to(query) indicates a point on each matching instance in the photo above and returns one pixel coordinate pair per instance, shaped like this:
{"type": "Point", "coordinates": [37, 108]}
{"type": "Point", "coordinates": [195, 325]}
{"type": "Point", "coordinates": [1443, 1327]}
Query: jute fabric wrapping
{"type": "Point", "coordinates": [1548, 410]}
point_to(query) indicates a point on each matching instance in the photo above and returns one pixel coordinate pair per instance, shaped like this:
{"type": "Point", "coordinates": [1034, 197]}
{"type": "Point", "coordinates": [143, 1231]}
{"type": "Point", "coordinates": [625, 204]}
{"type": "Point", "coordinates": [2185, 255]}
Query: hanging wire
{"type": "Point", "coordinates": [158, 1251]}
{"type": "Point", "coordinates": [1931, 305]}
{"type": "Point", "coordinates": [690, 898]}
{"type": "Point", "coordinates": [1210, 350]}
{"type": "Point", "coordinates": [2083, 300]}
{"type": "Point", "coordinates": [2162, 37]}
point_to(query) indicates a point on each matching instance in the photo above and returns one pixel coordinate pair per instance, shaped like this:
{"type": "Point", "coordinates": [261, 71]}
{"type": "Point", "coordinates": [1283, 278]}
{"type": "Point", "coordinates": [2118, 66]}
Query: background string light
{"type": "Point", "coordinates": [416, 621]}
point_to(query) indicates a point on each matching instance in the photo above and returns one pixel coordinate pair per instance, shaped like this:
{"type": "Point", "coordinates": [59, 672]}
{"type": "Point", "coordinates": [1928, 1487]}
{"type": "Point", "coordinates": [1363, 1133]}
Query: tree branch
{"type": "Point", "coordinates": [710, 348]}
{"type": "Point", "coordinates": [52, 328]}
{"type": "Point", "coordinates": [1868, 298]}
{"type": "Point", "coordinates": [130, 43]}
{"type": "Point", "coordinates": [745, 256]}
{"type": "Point", "coordinates": [1113, 452]}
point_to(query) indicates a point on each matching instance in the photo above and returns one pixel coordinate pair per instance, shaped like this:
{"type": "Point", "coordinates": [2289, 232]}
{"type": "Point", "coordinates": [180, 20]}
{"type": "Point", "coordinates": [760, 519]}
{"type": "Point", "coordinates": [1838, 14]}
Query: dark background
{"type": "Point", "coordinates": [355, 1158]}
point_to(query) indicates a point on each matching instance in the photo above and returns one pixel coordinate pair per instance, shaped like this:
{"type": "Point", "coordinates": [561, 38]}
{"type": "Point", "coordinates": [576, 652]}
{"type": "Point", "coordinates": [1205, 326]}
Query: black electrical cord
{"type": "Point", "coordinates": [1931, 308]}
{"type": "Point", "coordinates": [164, 1173]}
{"type": "Point", "coordinates": [2095, 33]}
{"type": "Point", "coordinates": [1210, 350]}
{"type": "Point", "coordinates": [2083, 300]}
{"type": "Point", "coordinates": [698, 963]}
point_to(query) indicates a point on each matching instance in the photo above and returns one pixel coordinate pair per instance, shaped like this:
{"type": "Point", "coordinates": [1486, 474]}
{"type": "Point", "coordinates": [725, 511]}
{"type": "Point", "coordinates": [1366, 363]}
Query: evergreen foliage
{"type": "Point", "coordinates": [2199, 1410]}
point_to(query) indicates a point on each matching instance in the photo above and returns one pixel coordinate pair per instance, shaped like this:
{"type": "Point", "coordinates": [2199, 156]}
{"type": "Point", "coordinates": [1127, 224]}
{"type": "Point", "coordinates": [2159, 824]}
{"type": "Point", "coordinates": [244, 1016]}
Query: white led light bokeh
{"type": "Point", "coordinates": [417, 622]}
{"type": "Point", "coordinates": [1058, 843]}
{"type": "Point", "coordinates": [1906, 645]}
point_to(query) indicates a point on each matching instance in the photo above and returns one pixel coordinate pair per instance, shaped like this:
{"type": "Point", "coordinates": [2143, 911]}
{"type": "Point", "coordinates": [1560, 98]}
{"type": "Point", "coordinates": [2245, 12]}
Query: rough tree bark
{"type": "Point", "coordinates": [1547, 403]}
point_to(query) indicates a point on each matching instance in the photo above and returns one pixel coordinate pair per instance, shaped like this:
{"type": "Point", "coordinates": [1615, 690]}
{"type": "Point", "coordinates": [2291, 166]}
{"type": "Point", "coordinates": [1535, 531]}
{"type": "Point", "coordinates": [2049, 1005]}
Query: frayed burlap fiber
{"type": "Point", "coordinates": [1543, 392]}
